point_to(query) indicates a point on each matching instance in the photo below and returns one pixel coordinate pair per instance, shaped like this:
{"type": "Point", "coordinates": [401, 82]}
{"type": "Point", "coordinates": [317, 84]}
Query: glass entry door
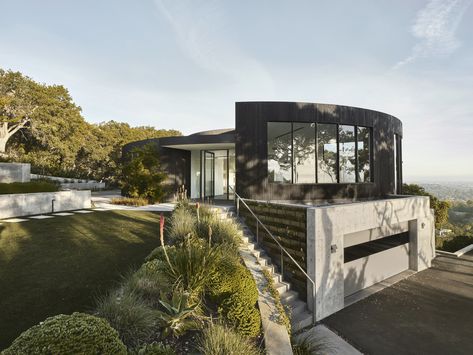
{"type": "Point", "coordinates": [209, 174]}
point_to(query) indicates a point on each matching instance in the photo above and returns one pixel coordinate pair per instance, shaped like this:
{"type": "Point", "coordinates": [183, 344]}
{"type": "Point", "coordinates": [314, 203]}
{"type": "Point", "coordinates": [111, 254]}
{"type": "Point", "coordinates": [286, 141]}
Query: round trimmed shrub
{"type": "Point", "coordinates": [232, 277]}
{"type": "Point", "coordinates": [77, 333]}
{"type": "Point", "coordinates": [244, 317]}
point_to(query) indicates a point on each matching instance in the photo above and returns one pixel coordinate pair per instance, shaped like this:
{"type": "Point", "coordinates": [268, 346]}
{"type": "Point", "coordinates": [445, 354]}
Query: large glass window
{"type": "Point", "coordinates": [304, 152]}
{"type": "Point", "coordinates": [326, 153]}
{"type": "Point", "coordinates": [346, 151]}
{"type": "Point", "coordinates": [363, 154]}
{"type": "Point", "coordinates": [318, 153]}
{"type": "Point", "coordinates": [279, 151]}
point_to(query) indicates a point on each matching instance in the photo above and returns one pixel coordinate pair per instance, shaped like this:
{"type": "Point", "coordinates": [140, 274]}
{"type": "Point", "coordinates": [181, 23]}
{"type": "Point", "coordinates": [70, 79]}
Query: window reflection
{"type": "Point", "coordinates": [364, 157]}
{"type": "Point", "coordinates": [304, 152]}
{"type": "Point", "coordinates": [279, 151]}
{"type": "Point", "coordinates": [347, 153]}
{"type": "Point", "coordinates": [327, 153]}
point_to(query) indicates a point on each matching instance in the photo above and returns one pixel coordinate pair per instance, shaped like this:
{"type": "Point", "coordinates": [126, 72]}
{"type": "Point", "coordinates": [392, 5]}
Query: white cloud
{"type": "Point", "coordinates": [435, 29]}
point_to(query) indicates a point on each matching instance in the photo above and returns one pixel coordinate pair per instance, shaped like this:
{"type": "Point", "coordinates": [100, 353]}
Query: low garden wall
{"type": "Point", "coordinates": [288, 223]}
{"type": "Point", "coordinates": [14, 172]}
{"type": "Point", "coordinates": [16, 205]}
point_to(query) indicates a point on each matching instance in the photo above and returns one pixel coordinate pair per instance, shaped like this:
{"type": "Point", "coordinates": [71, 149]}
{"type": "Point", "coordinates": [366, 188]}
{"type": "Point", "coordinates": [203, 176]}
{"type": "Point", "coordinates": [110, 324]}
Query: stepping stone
{"type": "Point", "coordinates": [83, 211]}
{"type": "Point", "coordinates": [63, 214]}
{"type": "Point", "coordinates": [100, 209]}
{"type": "Point", "coordinates": [41, 217]}
{"type": "Point", "coordinates": [15, 220]}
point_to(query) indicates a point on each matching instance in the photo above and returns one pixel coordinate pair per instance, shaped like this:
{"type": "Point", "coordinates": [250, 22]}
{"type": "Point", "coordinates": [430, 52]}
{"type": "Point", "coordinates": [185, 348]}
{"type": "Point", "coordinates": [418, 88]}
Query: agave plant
{"type": "Point", "coordinates": [175, 316]}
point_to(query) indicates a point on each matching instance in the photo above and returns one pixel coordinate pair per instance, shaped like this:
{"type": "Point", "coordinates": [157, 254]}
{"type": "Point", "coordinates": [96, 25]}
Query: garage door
{"type": "Point", "coordinates": [369, 263]}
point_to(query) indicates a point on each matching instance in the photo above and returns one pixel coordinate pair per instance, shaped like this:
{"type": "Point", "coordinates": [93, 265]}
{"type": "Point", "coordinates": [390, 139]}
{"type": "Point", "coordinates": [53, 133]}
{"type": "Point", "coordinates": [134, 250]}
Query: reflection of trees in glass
{"type": "Point", "coordinates": [364, 143]}
{"type": "Point", "coordinates": [327, 152]}
{"type": "Point", "coordinates": [279, 151]}
{"type": "Point", "coordinates": [347, 153]}
{"type": "Point", "coordinates": [304, 152]}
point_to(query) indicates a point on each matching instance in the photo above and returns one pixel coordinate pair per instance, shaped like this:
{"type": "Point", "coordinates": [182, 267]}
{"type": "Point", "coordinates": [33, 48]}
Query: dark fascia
{"type": "Point", "coordinates": [226, 136]}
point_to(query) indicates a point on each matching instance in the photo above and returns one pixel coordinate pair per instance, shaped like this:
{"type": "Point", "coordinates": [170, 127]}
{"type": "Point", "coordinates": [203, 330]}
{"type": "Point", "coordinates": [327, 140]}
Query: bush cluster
{"type": "Point", "coordinates": [28, 187]}
{"type": "Point", "coordinates": [77, 333]}
{"type": "Point", "coordinates": [130, 201]}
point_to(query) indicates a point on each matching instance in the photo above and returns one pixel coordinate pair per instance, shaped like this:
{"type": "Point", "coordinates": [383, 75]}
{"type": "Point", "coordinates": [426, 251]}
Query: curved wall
{"type": "Point", "coordinates": [251, 151]}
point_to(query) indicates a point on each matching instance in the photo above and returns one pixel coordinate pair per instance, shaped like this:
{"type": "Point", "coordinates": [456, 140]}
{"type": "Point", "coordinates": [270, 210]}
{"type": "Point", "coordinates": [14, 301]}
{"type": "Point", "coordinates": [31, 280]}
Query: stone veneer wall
{"type": "Point", "coordinates": [288, 223]}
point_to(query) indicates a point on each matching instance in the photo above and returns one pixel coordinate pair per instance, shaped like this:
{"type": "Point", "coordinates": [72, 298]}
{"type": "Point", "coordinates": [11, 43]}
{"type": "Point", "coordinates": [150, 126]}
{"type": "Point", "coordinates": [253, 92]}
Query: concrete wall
{"type": "Point", "coordinates": [16, 205]}
{"type": "Point", "coordinates": [14, 172]}
{"type": "Point", "coordinates": [71, 183]}
{"type": "Point", "coordinates": [328, 226]}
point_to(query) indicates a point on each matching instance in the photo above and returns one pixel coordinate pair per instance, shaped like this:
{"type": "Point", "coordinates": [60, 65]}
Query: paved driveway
{"type": "Point", "coordinates": [429, 313]}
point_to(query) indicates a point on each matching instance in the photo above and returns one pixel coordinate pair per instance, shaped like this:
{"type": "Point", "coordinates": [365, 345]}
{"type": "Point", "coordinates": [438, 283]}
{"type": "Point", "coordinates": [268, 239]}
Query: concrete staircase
{"type": "Point", "coordinates": [299, 314]}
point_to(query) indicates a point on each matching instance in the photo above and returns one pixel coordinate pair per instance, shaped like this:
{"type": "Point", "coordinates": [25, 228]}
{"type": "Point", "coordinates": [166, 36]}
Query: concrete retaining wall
{"type": "Point", "coordinates": [71, 183]}
{"type": "Point", "coordinates": [17, 205]}
{"type": "Point", "coordinates": [14, 172]}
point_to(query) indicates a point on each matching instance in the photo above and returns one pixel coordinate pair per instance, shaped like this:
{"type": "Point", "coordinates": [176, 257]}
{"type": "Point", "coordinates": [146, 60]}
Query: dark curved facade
{"type": "Point", "coordinates": [251, 146]}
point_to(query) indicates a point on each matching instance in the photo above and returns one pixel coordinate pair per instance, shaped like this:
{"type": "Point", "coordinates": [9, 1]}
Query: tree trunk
{"type": "Point", "coordinates": [3, 136]}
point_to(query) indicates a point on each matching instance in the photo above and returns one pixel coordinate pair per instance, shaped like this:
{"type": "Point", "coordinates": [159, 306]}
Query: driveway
{"type": "Point", "coordinates": [429, 313]}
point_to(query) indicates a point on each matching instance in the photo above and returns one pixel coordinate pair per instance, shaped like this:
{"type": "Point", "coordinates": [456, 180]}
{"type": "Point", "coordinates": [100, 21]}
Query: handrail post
{"type": "Point", "coordinates": [238, 206]}
{"type": "Point", "coordinates": [257, 232]}
{"type": "Point", "coordinates": [282, 264]}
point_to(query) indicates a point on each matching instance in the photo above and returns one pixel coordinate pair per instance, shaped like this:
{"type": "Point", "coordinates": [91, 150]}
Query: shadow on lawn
{"type": "Point", "coordinates": [60, 265]}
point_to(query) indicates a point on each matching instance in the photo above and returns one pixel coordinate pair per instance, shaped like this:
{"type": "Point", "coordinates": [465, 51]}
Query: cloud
{"type": "Point", "coordinates": [434, 28]}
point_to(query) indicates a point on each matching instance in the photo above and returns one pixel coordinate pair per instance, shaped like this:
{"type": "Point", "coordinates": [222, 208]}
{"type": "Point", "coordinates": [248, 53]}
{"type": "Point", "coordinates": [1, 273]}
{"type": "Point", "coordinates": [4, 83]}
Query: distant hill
{"type": "Point", "coordinates": [455, 191]}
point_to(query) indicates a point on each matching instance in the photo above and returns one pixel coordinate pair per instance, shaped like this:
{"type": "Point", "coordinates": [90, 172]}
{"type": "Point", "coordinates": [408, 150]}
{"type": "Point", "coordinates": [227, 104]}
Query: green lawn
{"type": "Point", "coordinates": [61, 265]}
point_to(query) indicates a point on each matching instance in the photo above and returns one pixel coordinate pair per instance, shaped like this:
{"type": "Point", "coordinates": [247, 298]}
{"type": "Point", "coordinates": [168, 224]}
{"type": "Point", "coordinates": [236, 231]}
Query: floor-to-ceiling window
{"type": "Point", "coordinates": [218, 176]}
{"type": "Point", "coordinates": [309, 152]}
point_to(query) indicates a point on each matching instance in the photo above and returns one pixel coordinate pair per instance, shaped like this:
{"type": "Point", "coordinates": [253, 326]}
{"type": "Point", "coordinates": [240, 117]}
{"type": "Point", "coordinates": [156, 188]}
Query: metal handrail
{"type": "Point", "coordinates": [282, 249]}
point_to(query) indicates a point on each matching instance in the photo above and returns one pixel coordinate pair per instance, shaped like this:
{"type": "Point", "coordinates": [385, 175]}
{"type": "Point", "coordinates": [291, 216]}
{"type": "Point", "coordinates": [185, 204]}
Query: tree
{"type": "Point", "coordinates": [18, 102]}
{"type": "Point", "coordinates": [142, 176]}
{"type": "Point", "coordinates": [440, 207]}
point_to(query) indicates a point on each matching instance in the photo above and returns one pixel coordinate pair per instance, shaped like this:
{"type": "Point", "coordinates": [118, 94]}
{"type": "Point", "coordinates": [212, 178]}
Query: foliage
{"type": "Point", "coordinates": [283, 317]}
{"type": "Point", "coordinates": [454, 243]}
{"type": "Point", "coordinates": [129, 315]}
{"type": "Point", "coordinates": [243, 316]}
{"type": "Point", "coordinates": [217, 339]}
{"type": "Point", "coordinates": [58, 140]}
{"type": "Point", "coordinates": [69, 334]}
{"type": "Point", "coordinates": [28, 187]}
{"type": "Point", "coordinates": [147, 283]}
{"type": "Point", "coordinates": [440, 207]}
{"type": "Point", "coordinates": [232, 277]}
{"type": "Point", "coordinates": [176, 315]}
{"type": "Point", "coordinates": [192, 267]}
{"type": "Point", "coordinates": [129, 201]}
{"type": "Point", "coordinates": [142, 176]}
{"type": "Point", "coordinates": [181, 224]}
{"type": "Point", "coordinates": [308, 344]}
{"type": "Point", "coordinates": [153, 349]}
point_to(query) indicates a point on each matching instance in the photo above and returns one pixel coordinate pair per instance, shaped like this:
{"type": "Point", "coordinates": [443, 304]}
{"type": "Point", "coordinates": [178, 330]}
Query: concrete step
{"type": "Point", "coordinates": [300, 321]}
{"type": "Point", "coordinates": [296, 306]}
{"type": "Point", "coordinates": [270, 268]}
{"type": "Point", "coordinates": [276, 278]}
{"type": "Point", "coordinates": [282, 287]}
{"type": "Point", "coordinates": [289, 296]}
{"type": "Point", "coordinates": [264, 260]}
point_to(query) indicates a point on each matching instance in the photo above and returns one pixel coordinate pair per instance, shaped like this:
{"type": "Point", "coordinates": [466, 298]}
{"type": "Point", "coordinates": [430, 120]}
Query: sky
{"type": "Point", "coordinates": [182, 64]}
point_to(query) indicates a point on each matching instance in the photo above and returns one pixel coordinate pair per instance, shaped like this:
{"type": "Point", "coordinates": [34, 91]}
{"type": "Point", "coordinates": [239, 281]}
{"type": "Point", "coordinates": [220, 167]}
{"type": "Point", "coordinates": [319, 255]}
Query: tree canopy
{"type": "Point", "coordinates": [57, 140]}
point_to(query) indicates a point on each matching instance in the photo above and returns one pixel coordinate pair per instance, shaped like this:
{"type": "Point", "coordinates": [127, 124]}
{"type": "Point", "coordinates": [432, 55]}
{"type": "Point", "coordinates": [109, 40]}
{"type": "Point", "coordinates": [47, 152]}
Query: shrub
{"type": "Point", "coordinates": [176, 316]}
{"type": "Point", "coordinates": [243, 316]}
{"type": "Point", "coordinates": [153, 349]}
{"type": "Point", "coordinates": [232, 277]}
{"type": "Point", "coordinates": [181, 224]}
{"type": "Point", "coordinates": [192, 266]}
{"type": "Point", "coordinates": [130, 201]}
{"type": "Point", "coordinates": [69, 334]}
{"type": "Point", "coordinates": [28, 187]}
{"type": "Point", "coordinates": [220, 340]}
{"type": "Point", "coordinates": [147, 283]}
{"type": "Point", "coordinates": [158, 254]}
{"type": "Point", "coordinates": [129, 315]}
{"type": "Point", "coordinates": [308, 344]}
{"type": "Point", "coordinates": [455, 243]}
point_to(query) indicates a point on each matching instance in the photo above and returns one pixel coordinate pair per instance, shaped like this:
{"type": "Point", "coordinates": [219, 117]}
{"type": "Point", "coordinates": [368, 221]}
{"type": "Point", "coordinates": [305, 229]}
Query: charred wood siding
{"type": "Point", "coordinates": [289, 225]}
{"type": "Point", "coordinates": [251, 150]}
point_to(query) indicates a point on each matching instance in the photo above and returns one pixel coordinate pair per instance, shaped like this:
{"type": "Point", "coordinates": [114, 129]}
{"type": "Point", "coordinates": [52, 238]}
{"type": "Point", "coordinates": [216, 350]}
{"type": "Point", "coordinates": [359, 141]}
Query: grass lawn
{"type": "Point", "coordinates": [60, 265]}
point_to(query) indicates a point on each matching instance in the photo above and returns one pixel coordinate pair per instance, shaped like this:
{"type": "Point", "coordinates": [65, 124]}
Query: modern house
{"type": "Point", "coordinates": [325, 179]}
